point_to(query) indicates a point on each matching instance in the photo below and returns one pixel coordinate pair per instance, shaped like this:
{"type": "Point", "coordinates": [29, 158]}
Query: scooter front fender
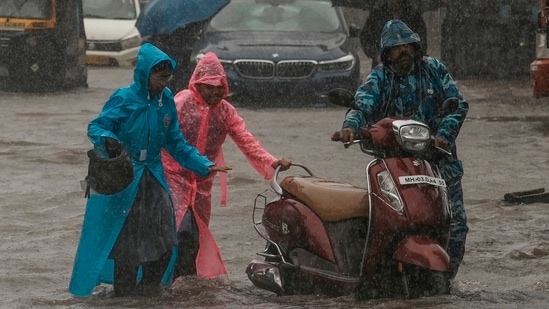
{"type": "Point", "coordinates": [423, 251]}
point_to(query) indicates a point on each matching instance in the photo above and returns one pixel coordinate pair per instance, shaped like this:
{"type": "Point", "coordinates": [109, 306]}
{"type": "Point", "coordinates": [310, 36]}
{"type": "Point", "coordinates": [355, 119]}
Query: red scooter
{"type": "Point", "coordinates": [386, 240]}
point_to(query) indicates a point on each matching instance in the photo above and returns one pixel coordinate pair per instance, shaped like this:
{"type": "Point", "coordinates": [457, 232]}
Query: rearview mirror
{"type": "Point", "coordinates": [342, 97]}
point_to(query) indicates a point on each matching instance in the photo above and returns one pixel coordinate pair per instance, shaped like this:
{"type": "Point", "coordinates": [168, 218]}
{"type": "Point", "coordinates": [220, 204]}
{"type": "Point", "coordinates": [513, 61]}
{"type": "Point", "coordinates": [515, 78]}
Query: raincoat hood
{"type": "Point", "coordinates": [396, 32]}
{"type": "Point", "coordinates": [208, 71]}
{"type": "Point", "coordinates": [147, 57]}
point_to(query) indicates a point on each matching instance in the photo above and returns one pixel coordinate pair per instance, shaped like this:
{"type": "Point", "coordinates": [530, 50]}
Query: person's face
{"type": "Point", "coordinates": [159, 80]}
{"type": "Point", "coordinates": [211, 94]}
{"type": "Point", "coordinates": [401, 58]}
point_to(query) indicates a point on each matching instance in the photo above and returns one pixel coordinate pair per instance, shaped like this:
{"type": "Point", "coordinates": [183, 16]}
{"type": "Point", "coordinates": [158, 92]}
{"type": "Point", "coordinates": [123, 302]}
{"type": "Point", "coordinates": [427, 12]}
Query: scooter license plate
{"type": "Point", "coordinates": [415, 179]}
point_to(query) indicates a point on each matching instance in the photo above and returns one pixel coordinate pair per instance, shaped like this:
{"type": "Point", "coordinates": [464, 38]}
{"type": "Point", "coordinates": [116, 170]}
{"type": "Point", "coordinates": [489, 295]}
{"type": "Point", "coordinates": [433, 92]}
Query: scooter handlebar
{"type": "Point", "coordinates": [274, 181]}
{"type": "Point", "coordinates": [356, 141]}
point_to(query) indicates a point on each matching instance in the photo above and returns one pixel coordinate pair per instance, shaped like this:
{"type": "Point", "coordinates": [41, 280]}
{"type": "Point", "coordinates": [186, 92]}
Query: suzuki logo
{"type": "Point", "coordinates": [416, 163]}
{"type": "Point", "coordinates": [285, 229]}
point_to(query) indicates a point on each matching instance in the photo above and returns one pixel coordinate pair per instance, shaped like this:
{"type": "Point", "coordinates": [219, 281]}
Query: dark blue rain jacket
{"type": "Point", "coordinates": [418, 95]}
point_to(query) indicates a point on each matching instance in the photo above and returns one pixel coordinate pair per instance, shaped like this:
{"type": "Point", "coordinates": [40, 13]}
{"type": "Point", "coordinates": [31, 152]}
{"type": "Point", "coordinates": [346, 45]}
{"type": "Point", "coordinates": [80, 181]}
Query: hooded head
{"type": "Point", "coordinates": [148, 57]}
{"type": "Point", "coordinates": [396, 33]}
{"type": "Point", "coordinates": [209, 71]}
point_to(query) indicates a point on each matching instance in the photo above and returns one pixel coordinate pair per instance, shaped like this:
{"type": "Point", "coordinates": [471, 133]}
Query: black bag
{"type": "Point", "coordinates": [108, 176]}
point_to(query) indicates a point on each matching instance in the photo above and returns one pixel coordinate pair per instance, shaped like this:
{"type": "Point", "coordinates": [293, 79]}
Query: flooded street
{"type": "Point", "coordinates": [503, 144]}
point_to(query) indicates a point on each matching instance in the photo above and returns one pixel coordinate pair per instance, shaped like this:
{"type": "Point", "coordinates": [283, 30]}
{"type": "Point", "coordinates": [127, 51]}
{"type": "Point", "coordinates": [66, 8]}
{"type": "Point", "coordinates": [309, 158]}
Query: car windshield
{"type": "Point", "coordinates": [110, 9]}
{"type": "Point", "coordinates": [41, 9]}
{"type": "Point", "coordinates": [280, 16]}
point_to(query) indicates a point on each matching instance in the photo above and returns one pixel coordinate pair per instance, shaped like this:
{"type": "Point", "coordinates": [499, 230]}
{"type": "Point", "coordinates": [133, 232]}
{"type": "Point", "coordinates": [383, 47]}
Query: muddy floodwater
{"type": "Point", "coordinates": [504, 146]}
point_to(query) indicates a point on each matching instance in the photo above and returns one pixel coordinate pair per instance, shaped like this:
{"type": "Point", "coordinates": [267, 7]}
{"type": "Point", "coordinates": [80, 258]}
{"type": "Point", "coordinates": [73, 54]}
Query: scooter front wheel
{"type": "Point", "coordinates": [440, 282]}
{"type": "Point", "coordinates": [426, 282]}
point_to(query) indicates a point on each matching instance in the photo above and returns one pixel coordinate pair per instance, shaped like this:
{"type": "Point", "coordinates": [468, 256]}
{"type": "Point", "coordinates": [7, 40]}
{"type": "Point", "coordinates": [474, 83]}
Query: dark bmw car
{"type": "Point", "coordinates": [282, 52]}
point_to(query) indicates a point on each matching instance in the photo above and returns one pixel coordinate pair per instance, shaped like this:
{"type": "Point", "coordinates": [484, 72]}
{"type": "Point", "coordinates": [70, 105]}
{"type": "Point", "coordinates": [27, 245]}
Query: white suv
{"type": "Point", "coordinates": [111, 36]}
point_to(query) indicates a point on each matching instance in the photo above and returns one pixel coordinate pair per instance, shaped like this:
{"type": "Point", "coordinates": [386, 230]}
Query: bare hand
{"type": "Point", "coordinates": [223, 169]}
{"type": "Point", "coordinates": [344, 135]}
{"type": "Point", "coordinates": [335, 136]}
{"type": "Point", "coordinates": [441, 142]}
{"type": "Point", "coordinates": [283, 163]}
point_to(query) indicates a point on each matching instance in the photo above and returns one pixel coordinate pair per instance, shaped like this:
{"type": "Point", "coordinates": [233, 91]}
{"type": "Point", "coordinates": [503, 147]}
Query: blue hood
{"type": "Point", "coordinates": [396, 32]}
{"type": "Point", "coordinates": [147, 57]}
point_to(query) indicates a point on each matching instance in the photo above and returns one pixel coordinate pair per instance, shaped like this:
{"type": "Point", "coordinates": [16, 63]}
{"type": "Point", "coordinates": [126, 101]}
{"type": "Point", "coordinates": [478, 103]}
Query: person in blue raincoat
{"type": "Point", "coordinates": [131, 235]}
{"type": "Point", "coordinates": [408, 84]}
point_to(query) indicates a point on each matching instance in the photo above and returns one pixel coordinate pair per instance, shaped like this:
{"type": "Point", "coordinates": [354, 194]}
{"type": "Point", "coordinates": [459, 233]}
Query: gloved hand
{"type": "Point", "coordinates": [113, 147]}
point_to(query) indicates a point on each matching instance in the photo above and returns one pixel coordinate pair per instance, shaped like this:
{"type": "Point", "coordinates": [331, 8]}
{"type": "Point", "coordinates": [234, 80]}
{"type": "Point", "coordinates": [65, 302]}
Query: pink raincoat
{"type": "Point", "coordinates": [206, 127]}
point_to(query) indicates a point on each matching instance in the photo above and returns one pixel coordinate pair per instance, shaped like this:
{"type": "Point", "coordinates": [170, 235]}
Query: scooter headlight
{"type": "Point", "coordinates": [389, 190]}
{"type": "Point", "coordinates": [412, 135]}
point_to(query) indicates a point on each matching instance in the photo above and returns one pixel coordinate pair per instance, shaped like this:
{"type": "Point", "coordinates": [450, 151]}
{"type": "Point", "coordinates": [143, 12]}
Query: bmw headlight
{"type": "Point", "coordinates": [344, 63]}
{"type": "Point", "coordinates": [130, 42]}
{"type": "Point", "coordinates": [412, 135]}
{"type": "Point", "coordinates": [227, 64]}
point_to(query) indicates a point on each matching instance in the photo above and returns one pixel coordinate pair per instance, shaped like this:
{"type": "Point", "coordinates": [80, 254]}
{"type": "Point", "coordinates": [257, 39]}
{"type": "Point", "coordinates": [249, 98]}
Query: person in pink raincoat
{"type": "Point", "coordinates": [205, 119]}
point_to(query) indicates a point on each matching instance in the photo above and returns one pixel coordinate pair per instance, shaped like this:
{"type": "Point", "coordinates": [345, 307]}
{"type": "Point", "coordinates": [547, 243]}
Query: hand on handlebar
{"type": "Point", "coordinates": [283, 163]}
{"type": "Point", "coordinates": [441, 144]}
{"type": "Point", "coordinates": [345, 135]}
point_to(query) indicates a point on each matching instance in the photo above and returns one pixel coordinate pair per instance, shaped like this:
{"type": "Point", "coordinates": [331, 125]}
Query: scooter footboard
{"type": "Point", "coordinates": [423, 251]}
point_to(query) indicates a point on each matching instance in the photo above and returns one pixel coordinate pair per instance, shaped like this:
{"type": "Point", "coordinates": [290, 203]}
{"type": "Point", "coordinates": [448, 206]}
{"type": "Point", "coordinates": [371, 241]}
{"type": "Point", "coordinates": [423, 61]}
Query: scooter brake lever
{"type": "Point", "coordinates": [353, 142]}
{"type": "Point", "coordinates": [443, 150]}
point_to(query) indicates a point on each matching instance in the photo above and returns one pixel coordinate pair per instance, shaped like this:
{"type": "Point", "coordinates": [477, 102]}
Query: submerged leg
{"type": "Point", "coordinates": [152, 275]}
{"type": "Point", "coordinates": [125, 278]}
{"type": "Point", "coordinates": [187, 240]}
{"type": "Point", "coordinates": [458, 234]}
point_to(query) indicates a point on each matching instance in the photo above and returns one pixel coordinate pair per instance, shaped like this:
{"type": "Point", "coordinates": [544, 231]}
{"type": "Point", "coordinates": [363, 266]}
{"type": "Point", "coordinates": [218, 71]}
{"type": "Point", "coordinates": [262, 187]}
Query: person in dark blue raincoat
{"type": "Point", "coordinates": [408, 84]}
{"type": "Point", "coordinates": [131, 235]}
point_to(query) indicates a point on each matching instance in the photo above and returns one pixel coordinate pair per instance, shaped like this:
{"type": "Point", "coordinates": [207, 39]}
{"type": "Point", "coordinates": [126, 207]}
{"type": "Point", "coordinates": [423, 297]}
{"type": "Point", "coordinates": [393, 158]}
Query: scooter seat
{"type": "Point", "coordinates": [330, 200]}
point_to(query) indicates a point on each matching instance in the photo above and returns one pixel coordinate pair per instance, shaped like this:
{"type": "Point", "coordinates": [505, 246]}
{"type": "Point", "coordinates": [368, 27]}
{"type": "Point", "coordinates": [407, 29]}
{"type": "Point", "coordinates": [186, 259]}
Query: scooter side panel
{"type": "Point", "coordinates": [387, 224]}
{"type": "Point", "coordinates": [292, 225]}
{"type": "Point", "coordinates": [423, 201]}
{"type": "Point", "coordinates": [423, 251]}
{"type": "Point", "coordinates": [349, 239]}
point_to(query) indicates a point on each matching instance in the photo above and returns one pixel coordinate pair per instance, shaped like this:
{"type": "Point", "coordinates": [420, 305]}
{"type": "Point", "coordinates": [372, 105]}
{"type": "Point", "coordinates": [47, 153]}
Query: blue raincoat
{"type": "Point", "coordinates": [143, 125]}
{"type": "Point", "coordinates": [418, 95]}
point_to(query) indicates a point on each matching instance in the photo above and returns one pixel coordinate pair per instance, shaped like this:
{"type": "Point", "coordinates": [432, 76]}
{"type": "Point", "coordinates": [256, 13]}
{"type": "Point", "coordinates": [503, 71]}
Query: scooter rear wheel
{"type": "Point", "coordinates": [292, 282]}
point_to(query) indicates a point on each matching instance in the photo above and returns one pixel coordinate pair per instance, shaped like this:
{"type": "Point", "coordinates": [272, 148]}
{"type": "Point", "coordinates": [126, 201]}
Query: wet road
{"type": "Point", "coordinates": [42, 150]}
